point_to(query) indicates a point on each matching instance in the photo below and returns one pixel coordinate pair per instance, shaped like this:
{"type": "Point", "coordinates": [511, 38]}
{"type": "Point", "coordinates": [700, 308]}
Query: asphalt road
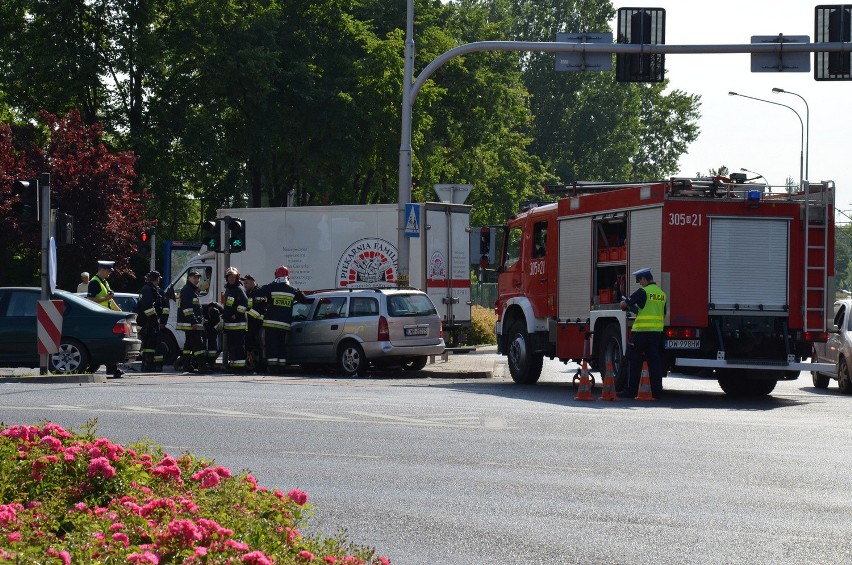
{"type": "Point", "coordinates": [459, 471]}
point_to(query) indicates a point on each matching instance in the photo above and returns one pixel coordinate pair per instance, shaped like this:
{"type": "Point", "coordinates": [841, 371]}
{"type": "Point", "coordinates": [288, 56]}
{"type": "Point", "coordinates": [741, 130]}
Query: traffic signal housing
{"type": "Point", "coordinates": [211, 235]}
{"type": "Point", "coordinates": [833, 24]}
{"type": "Point", "coordinates": [145, 237]}
{"type": "Point", "coordinates": [641, 26]}
{"type": "Point", "coordinates": [236, 235]}
{"type": "Point", "coordinates": [27, 206]}
{"type": "Point", "coordinates": [64, 229]}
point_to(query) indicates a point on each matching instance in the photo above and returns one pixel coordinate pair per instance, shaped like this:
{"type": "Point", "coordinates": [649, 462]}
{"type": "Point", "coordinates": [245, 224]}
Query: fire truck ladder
{"type": "Point", "coordinates": [817, 206]}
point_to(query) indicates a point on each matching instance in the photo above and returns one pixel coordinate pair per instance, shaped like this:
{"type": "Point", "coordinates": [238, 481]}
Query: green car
{"type": "Point", "coordinates": [91, 335]}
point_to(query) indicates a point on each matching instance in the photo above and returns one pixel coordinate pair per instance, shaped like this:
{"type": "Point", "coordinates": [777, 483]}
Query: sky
{"type": "Point", "coordinates": [740, 133]}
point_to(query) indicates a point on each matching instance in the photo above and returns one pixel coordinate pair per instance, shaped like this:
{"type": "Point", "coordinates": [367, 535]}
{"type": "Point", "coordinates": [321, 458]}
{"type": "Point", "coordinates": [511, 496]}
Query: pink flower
{"type": "Point", "coordinates": [384, 561]}
{"type": "Point", "coordinates": [146, 557]}
{"type": "Point", "coordinates": [298, 496]}
{"type": "Point", "coordinates": [256, 558]}
{"type": "Point", "coordinates": [330, 559]}
{"type": "Point", "coordinates": [120, 537]}
{"type": "Point", "coordinates": [8, 514]}
{"type": "Point", "coordinates": [184, 531]}
{"type": "Point", "coordinates": [100, 466]}
{"type": "Point", "coordinates": [56, 430]}
{"type": "Point", "coordinates": [52, 443]}
{"type": "Point", "coordinates": [237, 545]}
{"type": "Point", "coordinates": [14, 537]}
{"type": "Point", "coordinates": [209, 477]}
{"type": "Point", "coordinates": [306, 555]}
{"type": "Point", "coordinates": [63, 555]}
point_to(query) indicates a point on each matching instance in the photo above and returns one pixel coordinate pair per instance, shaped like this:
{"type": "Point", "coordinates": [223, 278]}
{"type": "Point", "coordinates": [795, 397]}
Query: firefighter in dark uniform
{"type": "Point", "coordinates": [646, 334]}
{"type": "Point", "coordinates": [280, 297]}
{"type": "Point", "coordinates": [234, 316]}
{"type": "Point", "coordinates": [213, 325]}
{"type": "Point", "coordinates": [254, 331]}
{"type": "Point", "coordinates": [152, 312]}
{"type": "Point", "coordinates": [190, 322]}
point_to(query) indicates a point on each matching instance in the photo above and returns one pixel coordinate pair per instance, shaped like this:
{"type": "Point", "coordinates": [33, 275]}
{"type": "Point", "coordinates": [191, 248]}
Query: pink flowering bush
{"type": "Point", "coordinates": [73, 498]}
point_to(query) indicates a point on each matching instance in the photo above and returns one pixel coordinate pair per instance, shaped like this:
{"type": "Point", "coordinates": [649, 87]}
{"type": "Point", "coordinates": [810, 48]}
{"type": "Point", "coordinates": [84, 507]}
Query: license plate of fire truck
{"type": "Point", "coordinates": [683, 344]}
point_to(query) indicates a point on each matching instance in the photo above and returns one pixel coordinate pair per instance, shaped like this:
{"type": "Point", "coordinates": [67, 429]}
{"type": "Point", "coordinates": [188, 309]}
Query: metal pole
{"type": "Point", "coordinates": [403, 267]}
{"type": "Point", "coordinates": [807, 127]}
{"type": "Point", "coordinates": [44, 214]}
{"type": "Point", "coordinates": [802, 149]}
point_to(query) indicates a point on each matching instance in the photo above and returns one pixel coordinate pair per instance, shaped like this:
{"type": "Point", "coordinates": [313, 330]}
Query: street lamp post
{"type": "Point", "coordinates": [807, 126]}
{"type": "Point", "coordinates": [759, 176]}
{"type": "Point", "coordinates": [801, 123]}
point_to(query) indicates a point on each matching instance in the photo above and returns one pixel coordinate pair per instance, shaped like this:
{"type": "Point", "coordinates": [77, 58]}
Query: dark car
{"type": "Point", "coordinates": [91, 334]}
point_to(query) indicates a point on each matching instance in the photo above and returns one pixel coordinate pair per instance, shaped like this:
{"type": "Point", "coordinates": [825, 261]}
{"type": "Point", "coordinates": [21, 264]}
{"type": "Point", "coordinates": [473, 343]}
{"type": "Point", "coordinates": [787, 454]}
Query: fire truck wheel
{"type": "Point", "coordinates": [735, 385]}
{"type": "Point", "coordinates": [524, 364]}
{"type": "Point", "coordinates": [843, 380]}
{"type": "Point", "coordinates": [610, 350]}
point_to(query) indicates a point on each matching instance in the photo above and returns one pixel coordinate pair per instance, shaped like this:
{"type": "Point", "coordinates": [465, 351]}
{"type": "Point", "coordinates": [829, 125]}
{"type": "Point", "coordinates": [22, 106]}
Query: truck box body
{"type": "Point", "coordinates": [743, 294]}
{"type": "Point", "coordinates": [330, 247]}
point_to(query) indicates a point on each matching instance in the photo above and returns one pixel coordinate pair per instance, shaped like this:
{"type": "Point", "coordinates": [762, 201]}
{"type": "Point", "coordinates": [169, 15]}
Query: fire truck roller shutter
{"type": "Point", "coordinates": [575, 268]}
{"type": "Point", "coordinates": [749, 263]}
{"type": "Point", "coordinates": [645, 238]}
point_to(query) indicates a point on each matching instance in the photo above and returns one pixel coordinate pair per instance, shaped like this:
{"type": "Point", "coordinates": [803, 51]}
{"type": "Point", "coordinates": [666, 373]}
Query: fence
{"type": "Point", "coordinates": [484, 294]}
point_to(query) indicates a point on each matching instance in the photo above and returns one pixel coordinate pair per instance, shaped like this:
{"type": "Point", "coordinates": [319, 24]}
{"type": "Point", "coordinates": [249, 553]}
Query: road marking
{"type": "Point", "coordinates": [146, 409]}
{"type": "Point", "coordinates": [314, 416]}
{"type": "Point", "coordinates": [66, 407]}
{"type": "Point", "coordinates": [344, 455]}
{"type": "Point", "coordinates": [227, 412]}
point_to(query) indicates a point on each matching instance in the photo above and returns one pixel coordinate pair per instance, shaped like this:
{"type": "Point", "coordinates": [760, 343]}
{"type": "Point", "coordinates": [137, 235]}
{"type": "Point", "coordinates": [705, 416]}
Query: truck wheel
{"type": "Point", "coordinates": [524, 363]}
{"type": "Point", "coordinates": [414, 363]}
{"type": "Point", "coordinates": [171, 352]}
{"type": "Point", "coordinates": [843, 380]}
{"type": "Point", "coordinates": [350, 359]}
{"type": "Point", "coordinates": [820, 381]}
{"type": "Point", "coordinates": [610, 350]}
{"type": "Point", "coordinates": [735, 385]}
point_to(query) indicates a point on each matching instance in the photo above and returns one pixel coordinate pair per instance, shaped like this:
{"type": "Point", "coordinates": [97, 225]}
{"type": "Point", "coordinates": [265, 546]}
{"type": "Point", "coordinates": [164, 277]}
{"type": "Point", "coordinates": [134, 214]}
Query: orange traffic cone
{"type": "Point", "coordinates": [608, 392]}
{"type": "Point", "coordinates": [645, 384]}
{"type": "Point", "coordinates": [584, 391]}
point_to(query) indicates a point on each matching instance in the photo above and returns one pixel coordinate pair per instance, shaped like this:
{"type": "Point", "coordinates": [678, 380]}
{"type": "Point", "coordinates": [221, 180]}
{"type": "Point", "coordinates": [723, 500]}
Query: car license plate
{"type": "Point", "coordinates": [683, 344]}
{"type": "Point", "coordinates": [416, 331]}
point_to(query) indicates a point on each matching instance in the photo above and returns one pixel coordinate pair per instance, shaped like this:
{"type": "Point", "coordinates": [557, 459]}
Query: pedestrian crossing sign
{"type": "Point", "coordinates": [412, 220]}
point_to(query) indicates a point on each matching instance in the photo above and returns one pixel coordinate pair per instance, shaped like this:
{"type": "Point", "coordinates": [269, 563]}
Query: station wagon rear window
{"type": "Point", "coordinates": [400, 305]}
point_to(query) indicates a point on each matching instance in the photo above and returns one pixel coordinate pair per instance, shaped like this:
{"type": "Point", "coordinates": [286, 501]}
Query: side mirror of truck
{"type": "Point", "coordinates": [170, 293]}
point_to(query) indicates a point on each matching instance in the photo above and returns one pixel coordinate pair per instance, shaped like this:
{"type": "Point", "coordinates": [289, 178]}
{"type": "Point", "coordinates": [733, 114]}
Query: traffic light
{"type": "Point", "coordinates": [641, 26]}
{"type": "Point", "coordinates": [833, 24]}
{"type": "Point", "coordinates": [211, 235]}
{"type": "Point", "coordinates": [236, 235]}
{"type": "Point", "coordinates": [27, 206]}
{"type": "Point", "coordinates": [64, 229]}
{"type": "Point", "coordinates": [145, 237]}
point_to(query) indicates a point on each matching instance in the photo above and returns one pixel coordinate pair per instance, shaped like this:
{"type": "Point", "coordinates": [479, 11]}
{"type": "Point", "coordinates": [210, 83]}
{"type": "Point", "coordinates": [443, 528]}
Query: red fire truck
{"type": "Point", "coordinates": [749, 275]}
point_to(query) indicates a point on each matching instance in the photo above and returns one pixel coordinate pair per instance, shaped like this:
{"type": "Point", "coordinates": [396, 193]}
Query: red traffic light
{"type": "Point", "coordinates": [143, 237]}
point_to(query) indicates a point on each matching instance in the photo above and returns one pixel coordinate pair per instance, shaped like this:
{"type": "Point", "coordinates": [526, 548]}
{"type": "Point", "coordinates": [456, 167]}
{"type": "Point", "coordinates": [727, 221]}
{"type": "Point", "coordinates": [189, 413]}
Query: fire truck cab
{"type": "Point", "coordinates": [749, 275]}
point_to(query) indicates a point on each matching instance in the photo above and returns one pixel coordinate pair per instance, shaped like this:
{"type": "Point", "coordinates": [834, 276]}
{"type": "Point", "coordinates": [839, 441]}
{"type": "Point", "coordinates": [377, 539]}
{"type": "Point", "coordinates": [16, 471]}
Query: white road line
{"type": "Point", "coordinates": [227, 412]}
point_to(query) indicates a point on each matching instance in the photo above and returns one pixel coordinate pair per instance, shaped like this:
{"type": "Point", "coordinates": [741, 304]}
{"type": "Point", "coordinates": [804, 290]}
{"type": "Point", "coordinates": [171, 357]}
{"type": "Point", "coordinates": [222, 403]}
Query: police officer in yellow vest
{"type": "Point", "coordinates": [646, 336]}
{"type": "Point", "coordinates": [99, 290]}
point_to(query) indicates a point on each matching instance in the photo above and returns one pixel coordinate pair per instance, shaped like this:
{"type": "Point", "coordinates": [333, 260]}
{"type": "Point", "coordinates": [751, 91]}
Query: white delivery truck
{"type": "Point", "coordinates": [332, 247]}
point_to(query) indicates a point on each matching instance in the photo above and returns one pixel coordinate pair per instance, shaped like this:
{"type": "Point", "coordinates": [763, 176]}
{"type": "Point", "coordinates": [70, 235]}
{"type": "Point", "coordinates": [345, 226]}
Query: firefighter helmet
{"type": "Point", "coordinates": [232, 271]}
{"type": "Point", "coordinates": [282, 271]}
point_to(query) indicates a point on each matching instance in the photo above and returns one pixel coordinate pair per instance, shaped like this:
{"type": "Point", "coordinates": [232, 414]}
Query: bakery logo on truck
{"type": "Point", "coordinates": [367, 263]}
{"type": "Point", "coordinates": [437, 267]}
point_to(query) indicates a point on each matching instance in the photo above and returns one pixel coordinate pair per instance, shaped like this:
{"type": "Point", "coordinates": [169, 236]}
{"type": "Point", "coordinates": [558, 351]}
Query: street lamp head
{"type": "Point", "coordinates": [732, 94]}
{"type": "Point", "coordinates": [777, 90]}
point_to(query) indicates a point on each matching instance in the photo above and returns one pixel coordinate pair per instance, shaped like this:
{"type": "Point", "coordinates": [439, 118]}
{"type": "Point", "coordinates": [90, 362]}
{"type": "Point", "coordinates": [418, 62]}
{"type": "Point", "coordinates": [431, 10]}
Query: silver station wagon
{"type": "Point", "coordinates": [353, 329]}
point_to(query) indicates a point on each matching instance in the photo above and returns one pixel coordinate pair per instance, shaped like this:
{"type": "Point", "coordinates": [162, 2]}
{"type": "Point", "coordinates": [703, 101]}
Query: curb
{"type": "Point", "coordinates": [55, 379]}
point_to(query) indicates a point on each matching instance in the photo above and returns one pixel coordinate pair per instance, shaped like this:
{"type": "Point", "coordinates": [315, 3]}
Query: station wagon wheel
{"type": "Point", "coordinates": [843, 380]}
{"type": "Point", "coordinates": [350, 359]}
{"type": "Point", "coordinates": [820, 380]}
{"type": "Point", "coordinates": [71, 358]}
{"type": "Point", "coordinates": [414, 363]}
